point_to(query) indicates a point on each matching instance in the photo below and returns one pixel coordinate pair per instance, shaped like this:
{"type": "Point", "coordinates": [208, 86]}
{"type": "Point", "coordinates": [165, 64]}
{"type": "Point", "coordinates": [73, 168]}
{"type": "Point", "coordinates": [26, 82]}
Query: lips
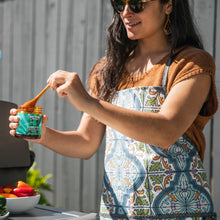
{"type": "Point", "coordinates": [132, 24]}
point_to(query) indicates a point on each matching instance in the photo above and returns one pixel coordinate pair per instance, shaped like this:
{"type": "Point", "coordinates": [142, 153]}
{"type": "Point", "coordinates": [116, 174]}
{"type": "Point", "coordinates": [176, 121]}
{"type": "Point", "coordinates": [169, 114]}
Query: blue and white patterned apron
{"type": "Point", "coordinates": [142, 181]}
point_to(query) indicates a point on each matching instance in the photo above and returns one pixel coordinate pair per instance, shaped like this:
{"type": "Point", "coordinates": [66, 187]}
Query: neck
{"type": "Point", "coordinates": [146, 55]}
{"type": "Point", "coordinates": [153, 47]}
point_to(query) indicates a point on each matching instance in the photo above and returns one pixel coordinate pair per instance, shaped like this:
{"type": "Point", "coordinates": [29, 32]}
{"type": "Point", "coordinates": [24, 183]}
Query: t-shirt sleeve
{"type": "Point", "coordinates": [197, 62]}
{"type": "Point", "coordinates": [94, 78]}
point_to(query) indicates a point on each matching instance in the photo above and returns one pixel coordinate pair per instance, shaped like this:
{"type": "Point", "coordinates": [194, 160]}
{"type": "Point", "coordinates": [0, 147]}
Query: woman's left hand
{"type": "Point", "coordinates": [69, 85]}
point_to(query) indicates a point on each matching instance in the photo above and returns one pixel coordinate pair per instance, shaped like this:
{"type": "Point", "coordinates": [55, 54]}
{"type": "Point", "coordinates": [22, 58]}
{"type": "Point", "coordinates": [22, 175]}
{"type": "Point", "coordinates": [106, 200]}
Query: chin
{"type": "Point", "coordinates": [132, 37]}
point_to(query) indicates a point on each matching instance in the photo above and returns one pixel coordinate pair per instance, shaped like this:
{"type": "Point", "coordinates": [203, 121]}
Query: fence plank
{"type": "Point", "coordinates": [68, 170]}
{"type": "Point", "coordinates": [216, 155]}
{"type": "Point", "coordinates": [22, 50]}
{"type": "Point", "coordinates": [106, 17]}
{"type": "Point", "coordinates": [91, 41]}
{"type": "Point", "coordinates": [204, 12]}
{"type": "Point", "coordinates": [49, 41]}
{"type": "Point", "coordinates": [204, 16]}
{"type": "Point", "coordinates": [44, 157]}
{"type": "Point", "coordinates": [1, 45]}
{"type": "Point", "coordinates": [7, 35]}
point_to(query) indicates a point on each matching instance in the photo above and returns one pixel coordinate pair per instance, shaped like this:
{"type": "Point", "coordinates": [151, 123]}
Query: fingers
{"type": "Point", "coordinates": [12, 132]}
{"type": "Point", "coordinates": [45, 118]}
{"type": "Point", "coordinates": [62, 80]}
{"type": "Point", "coordinates": [13, 125]}
{"type": "Point", "coordinates": [69, 85]}
{"type": "Point", "coordinates": [13, 121]}
{"type": "Point", "coordinates": [57, 79]}
{"type": "Point", "coordinates": [13, 111]}
{"type": "Point", "coordinates": [61, 90]}
{"type": "Point", "coordinates": [13, 118]}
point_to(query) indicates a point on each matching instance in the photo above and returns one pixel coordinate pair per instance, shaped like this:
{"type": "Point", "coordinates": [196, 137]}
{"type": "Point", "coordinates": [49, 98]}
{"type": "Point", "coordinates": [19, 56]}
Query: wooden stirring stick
{"type": "Point", "coordinates": [31, 104]}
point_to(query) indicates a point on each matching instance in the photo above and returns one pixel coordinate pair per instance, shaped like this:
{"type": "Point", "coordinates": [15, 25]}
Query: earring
{"type": "Point", "coordinates": [167, 26]}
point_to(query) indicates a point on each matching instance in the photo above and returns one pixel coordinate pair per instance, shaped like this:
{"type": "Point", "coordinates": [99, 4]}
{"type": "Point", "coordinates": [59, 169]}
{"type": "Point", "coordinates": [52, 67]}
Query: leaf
{"type": "Point", "coordinates": [157, 179]}
{"type": "Point", "coordinates": [203, 176]}
{"type": "Point", "coordinates": [39, 182]}
{"type": "Point", "coordinates": [156, 167]}
{"type": "Point", "coordinates": [141, 201]}
{"type": "Point", "coordinates": [151, 101]}
{"type": "Point", "coordinates": [200, 165]}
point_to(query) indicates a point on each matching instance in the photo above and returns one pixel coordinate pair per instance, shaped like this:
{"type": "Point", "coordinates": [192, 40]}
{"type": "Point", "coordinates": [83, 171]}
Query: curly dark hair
{"type": "Point", "coordinates": [119, 46]}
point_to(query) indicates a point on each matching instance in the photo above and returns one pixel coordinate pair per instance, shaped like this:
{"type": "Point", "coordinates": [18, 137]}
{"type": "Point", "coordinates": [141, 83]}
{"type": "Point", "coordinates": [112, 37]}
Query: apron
{"type": "Point", "coordinates": [142, 181]}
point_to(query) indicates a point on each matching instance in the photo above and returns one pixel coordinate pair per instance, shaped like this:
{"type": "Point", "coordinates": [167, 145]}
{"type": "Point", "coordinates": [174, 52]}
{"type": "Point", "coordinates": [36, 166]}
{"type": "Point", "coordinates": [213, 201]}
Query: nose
{"type": "Point", "coordinates": [127, 11]}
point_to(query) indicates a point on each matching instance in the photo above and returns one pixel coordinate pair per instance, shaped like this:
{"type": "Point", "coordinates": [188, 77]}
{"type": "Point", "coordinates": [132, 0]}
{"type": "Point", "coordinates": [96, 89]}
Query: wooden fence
{"type": "Point", "coordinates": [37, 37]}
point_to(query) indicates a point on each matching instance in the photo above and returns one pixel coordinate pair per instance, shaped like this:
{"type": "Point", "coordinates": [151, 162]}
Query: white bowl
{"type": "Point", "coordinates": [22, 204]}
{"type": "Point", "coordinates": [4, 216]}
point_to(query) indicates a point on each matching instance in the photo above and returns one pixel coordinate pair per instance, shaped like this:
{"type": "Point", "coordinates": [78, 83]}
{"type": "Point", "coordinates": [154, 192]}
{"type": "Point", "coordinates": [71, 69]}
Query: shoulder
{"type": "Point", "coordinates": [198, 56]}
{"type": "Point", "coordinates": [191, 61]}
{"type": "Point", "coordinates": [94, 78]}
{"type": "Point", "coordinates": [194, 59]}
{"type": "Point", "coordinates": [189, 52]}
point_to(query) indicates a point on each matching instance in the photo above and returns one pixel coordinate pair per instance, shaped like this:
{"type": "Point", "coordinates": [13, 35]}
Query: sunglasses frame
{"type": "Point", "coordinates": [127, 2]}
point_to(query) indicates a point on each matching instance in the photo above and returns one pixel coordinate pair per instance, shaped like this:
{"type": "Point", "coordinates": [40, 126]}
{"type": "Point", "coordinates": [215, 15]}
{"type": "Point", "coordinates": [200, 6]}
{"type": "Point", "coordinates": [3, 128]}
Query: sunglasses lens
{"type": "Point", "coordinates": [136, 5]}
{"type": "Point", "coordinates": [119, 5]}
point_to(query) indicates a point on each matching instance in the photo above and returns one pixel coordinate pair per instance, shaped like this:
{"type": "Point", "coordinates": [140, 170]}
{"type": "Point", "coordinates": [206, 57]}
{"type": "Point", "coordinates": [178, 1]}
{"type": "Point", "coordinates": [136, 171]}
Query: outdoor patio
{"type": "Point", "coordinates": [38, 37]}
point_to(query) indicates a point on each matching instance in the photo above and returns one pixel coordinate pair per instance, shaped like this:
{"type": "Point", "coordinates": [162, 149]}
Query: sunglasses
{"type": "Point", "coordinates": [135, 5]}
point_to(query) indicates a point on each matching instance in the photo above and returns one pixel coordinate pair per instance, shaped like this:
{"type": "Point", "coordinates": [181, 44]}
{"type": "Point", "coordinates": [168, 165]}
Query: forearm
{"type": "Point", "coordinates": [72, 144]}
{"type": "Point", "coordinates": [147, 127]}
{"type": "Point", "coordinates": [177, 113]}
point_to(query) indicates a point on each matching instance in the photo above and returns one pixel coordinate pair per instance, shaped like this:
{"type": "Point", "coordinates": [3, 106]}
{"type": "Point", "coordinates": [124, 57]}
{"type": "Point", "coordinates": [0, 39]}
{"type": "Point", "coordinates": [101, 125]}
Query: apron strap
{"type": "Point", "coordinates": [165, 74]}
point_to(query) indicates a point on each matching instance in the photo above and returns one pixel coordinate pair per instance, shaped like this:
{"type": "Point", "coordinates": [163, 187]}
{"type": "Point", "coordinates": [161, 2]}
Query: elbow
{"type": "Point", "coordinates": [166, 139]}
{"type": "Point", "coordinates": [165, 145]}
{"type": "Point", "coordinates": [166, 142]}
{"type": "Point", "coordinates": [84, 154]}
{"type": "Point", "coordinates": [88, 155]}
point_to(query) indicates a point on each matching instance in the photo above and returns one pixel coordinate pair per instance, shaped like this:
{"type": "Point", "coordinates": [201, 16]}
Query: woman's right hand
{"type": "Point", "coordinates": [14, 119]}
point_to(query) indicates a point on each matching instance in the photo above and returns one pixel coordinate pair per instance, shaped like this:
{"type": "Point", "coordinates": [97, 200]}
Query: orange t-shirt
{"type": "Point", "coordinates": [189, 62]}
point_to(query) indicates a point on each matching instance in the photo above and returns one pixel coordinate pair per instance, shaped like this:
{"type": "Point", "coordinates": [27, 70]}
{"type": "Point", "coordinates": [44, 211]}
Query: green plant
{"type": "Point", "coordinates": [39, 182]}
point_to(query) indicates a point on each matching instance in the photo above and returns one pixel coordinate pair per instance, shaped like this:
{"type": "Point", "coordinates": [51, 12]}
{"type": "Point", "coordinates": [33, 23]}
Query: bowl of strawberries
{"type": "Point", "coordinates": [20, 198]}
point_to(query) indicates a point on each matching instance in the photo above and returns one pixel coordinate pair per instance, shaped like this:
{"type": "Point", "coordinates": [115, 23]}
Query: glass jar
{"type": "Point", "coordinates": [30, 122]}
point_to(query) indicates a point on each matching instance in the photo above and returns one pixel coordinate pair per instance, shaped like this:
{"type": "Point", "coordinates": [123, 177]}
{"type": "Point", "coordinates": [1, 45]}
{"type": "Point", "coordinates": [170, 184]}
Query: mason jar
{"type": "Point", "coordinates": [30, 122]}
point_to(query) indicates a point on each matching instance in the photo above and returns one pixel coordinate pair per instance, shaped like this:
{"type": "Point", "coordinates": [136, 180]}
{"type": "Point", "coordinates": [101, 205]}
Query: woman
{"type": "Point", "coordinates": [153, 93]}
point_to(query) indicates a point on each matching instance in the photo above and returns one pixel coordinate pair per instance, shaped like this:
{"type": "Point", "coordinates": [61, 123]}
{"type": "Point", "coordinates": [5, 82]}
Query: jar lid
{"type": "Point", "coordinates": [35, 110]}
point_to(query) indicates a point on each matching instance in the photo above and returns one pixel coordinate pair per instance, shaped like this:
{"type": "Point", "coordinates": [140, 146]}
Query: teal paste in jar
{"type": "Point", "coordinates": [30, 122]}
